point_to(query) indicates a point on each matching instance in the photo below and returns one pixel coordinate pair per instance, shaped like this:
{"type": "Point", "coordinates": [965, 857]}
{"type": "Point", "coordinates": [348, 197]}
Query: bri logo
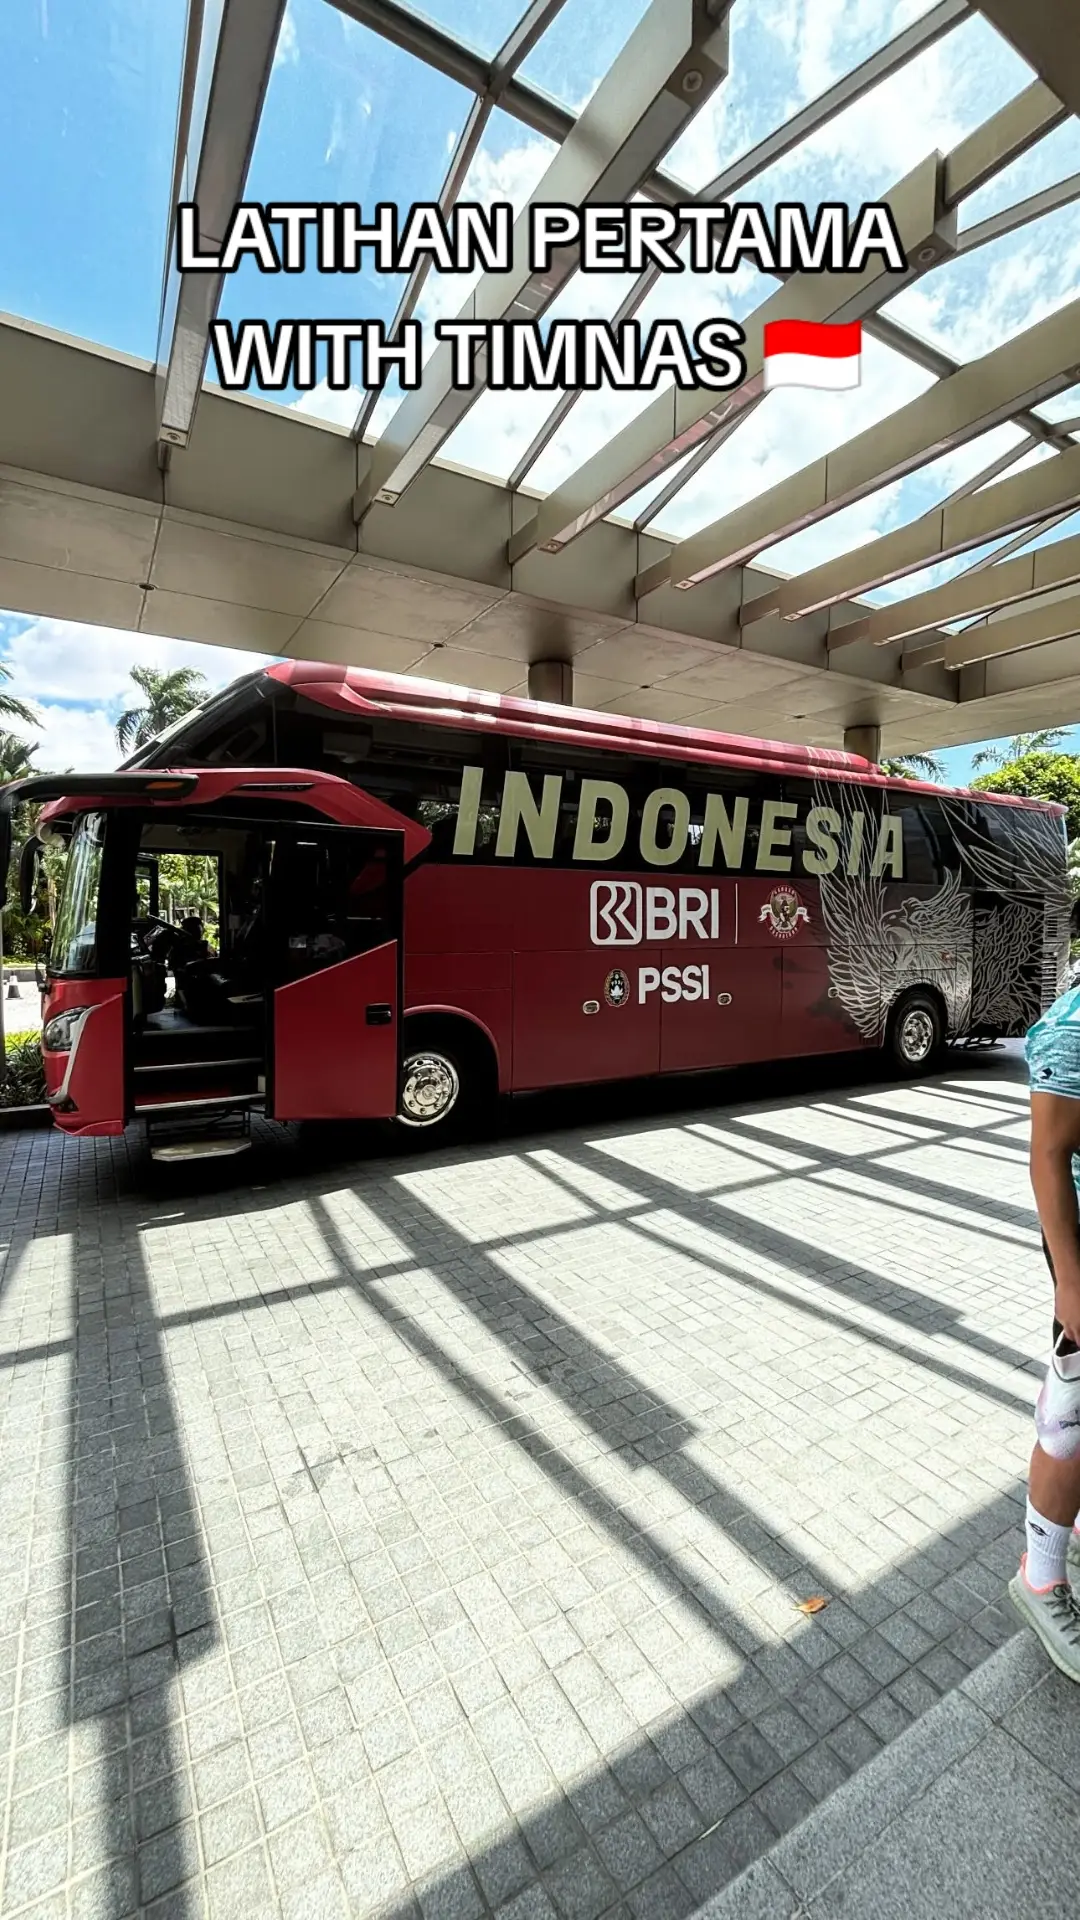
{"type": "Point", "coordinates": [623, 913]}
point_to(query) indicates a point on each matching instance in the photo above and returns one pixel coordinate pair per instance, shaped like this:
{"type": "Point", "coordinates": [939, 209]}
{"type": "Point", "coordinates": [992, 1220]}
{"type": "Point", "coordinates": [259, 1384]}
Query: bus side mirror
{"type": "Point", "coordinates": [1074, 921]}
{"type": "Point", "coordinates": [28, 873]}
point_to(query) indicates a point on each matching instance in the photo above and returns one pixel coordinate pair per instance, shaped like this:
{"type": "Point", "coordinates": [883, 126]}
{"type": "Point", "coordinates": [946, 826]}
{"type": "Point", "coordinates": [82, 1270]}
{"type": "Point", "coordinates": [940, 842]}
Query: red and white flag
{"type": "Point", "coordinates": [807, 353]}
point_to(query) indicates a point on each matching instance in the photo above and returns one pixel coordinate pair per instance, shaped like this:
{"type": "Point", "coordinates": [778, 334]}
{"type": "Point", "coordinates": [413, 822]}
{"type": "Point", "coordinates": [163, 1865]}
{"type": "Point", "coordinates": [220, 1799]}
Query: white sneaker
{"type": "Point", "coordinates": [1055, 1616]}
{"type": "Point", "coordinates": [1072, 1562]}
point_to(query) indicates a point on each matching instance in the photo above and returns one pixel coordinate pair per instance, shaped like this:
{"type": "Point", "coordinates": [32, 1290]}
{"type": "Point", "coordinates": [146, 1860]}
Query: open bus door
{"type": "Point", "coordinates": [334, 911]}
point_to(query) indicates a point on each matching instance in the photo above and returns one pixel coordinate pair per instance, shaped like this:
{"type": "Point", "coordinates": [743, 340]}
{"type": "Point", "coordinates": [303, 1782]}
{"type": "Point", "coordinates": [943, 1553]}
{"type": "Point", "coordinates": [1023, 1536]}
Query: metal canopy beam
{"type": "Point", "coordinates": [678, 420]}
{"type": "Point", "coordinates": [991, 638]}
{"type": "Point", "coordinates": [533, 24]}
{"type": "Point", "coordinates": [853, 630]}
{"type": "Point", "coordinates": [1020, 124]}
{"type": "Point", "coordinates": [694, 465]}
{"type": "Point", "coordinates": [1044, 33]}
{"type": "Point", "coordinates": [851, 87]}
{"type": "Point", "coordinates": [670, 427]}
{"type": "Point", "coordinates": [1028, 497]}
{"type": "Point", "coordinates": [460, 161]}
{"type": "Point", "coordinates": [672, 63]}
{"type": "Point", "coordinates": [1039, 363]}
{"type": "Point", "coordinates": [977, 592]}
{"type": "Point", "coordinates": [440, 50]}
{"type": "Point", "coordinates": [1010, 219]}
{"type": "Point", "coordinates": [229, 58]}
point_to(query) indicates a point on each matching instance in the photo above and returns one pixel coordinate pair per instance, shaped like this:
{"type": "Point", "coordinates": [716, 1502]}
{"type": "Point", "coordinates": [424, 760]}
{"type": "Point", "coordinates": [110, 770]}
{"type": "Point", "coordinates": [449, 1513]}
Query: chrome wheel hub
{"type": "Point", "coordinates": [916, 1035]}
{"type": "Point", "coordinates": [429, 1089]}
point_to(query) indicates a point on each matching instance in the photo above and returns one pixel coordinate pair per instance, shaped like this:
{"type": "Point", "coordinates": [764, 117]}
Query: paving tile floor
{"type": "Point", "coordinates": [402, 1536]}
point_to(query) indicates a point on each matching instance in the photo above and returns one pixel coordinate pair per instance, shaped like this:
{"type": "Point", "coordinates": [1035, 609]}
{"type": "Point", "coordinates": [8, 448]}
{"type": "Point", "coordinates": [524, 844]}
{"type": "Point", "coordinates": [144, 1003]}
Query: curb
{"type": "Point", "coordinates": [786, 1881]}
{"type": "Point", "coordinates": [12, 1118]}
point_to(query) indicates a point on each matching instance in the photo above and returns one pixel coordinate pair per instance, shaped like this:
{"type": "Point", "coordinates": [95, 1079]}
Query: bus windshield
{"type": "Point", "coordinates": [74, 948]}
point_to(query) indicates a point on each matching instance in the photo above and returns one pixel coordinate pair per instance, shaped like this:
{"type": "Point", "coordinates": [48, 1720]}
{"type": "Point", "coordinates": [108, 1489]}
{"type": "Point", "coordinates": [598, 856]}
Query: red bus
{"type": "Point", "coordinates": [423, 896]}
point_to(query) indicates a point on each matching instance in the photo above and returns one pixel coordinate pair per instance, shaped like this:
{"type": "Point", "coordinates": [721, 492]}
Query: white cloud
{"type": "Point", "coordinates": [75, 740]}
{"type": "Point", "coordinates": [55, 662]}
{"type": "Point", "coordinates": [59, 660]}
{"type": "Point", "coordinates": [287, 51]}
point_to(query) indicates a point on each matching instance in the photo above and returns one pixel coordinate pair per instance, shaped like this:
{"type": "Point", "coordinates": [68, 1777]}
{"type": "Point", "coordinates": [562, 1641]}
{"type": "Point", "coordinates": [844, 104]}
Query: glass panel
{"type": "Point", "coordinates": [784, 53]}
{"type": "Point", "coordinates": [508, 164]}
{"type": "Point", "coordinates": [1053, 159]}
{"type": "Point", "coordinates": [483, 25]}
{"type": "Point", "coordinates": [575, 53]}
{"type": "Point", "coordinates": [970, 305]}
{"type": "Point", "coordinates": [500, 428]}
{"type": "Point", "coordinates": [332, 896]}
{"type": "Point", "coordinates": [86, 153]}
{"type": "Point", "coordinates": [348, 117]}
{"type": "Point", "coordinates": [74, 947]}
{"type": "Point", "coordinates": [1063, 406]}
{"type": "Point", "coordinates": [792, 428]}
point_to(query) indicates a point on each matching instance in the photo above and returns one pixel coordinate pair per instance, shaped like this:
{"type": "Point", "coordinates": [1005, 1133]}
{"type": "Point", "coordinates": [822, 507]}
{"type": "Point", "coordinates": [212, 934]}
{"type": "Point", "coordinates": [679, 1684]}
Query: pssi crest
{"type": "Point", "coordinates": [783, 910]}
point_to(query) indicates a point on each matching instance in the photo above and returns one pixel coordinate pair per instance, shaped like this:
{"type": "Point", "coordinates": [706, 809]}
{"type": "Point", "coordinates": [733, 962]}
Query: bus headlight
{"type": "Point", "coordinates": [59, 1032]}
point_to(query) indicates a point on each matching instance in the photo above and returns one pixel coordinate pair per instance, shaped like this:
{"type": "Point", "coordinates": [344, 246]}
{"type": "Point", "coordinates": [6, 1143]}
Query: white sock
{"type": "Point", "coordinates": [1047, 1545]}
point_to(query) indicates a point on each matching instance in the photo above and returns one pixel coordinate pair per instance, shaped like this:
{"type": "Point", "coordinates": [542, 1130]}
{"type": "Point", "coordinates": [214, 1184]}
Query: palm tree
{"type": "Point", "coordinates": [16, 758]}
{"type": "Point", "coordinates": [914, 766]}
{"type": "Point", "coordinates": [1043, 741]}
{"type": "Point", "coordinates": [12, 709]}
{"type": "Point", "coordinates": [168, 697]}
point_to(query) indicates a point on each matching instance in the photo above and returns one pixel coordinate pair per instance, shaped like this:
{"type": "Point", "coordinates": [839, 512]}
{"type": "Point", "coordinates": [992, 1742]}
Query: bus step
{"type": "Point", "coordinates": [208, 1136]}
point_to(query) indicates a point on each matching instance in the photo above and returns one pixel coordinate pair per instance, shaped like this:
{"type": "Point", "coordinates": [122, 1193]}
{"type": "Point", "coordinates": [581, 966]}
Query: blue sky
{"type": "Point", "coordinates": [87, 131]}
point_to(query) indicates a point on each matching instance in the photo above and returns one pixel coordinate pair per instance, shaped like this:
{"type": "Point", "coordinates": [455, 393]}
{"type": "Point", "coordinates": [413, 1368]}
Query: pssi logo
{"type": "Point", "coordinates": [617, 988]}
{"type": "Point", "coordinates": [674, 983]}
{"type": "Point", "coordinates": [783, 912]}
{"type": "Point", "coordinates": [623, 913]}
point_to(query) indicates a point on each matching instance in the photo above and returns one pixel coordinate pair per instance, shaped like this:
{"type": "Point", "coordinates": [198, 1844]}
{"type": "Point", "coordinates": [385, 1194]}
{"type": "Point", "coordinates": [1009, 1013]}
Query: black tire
{"type": "Point", "coordinates": [446, 1081]}
{"type": "Point", "coordinates": [915, 1038]}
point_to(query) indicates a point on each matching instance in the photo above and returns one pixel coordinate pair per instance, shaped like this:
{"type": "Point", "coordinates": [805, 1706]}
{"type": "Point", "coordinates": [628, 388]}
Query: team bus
{"type": "Point", "coordinates": [423, 896]}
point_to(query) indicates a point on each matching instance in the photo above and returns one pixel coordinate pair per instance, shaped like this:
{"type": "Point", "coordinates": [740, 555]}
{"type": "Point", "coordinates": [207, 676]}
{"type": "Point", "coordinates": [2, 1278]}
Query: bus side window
{"type": "Point", "coordinates": [924, 854]}
{"type": "Point", "coordinates": [331, 897]}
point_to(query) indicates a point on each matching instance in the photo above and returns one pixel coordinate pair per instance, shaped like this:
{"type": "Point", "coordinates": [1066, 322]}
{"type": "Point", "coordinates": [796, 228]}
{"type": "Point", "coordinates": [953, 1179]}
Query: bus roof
{"type": "Point", "coordinates": [400, 697]}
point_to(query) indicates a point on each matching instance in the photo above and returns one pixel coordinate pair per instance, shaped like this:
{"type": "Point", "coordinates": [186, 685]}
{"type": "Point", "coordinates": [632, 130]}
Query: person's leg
{"type": "Point", "coordinates": [1054, 1487]}
{"type": "Point", "coordinates": [1041, 1591]}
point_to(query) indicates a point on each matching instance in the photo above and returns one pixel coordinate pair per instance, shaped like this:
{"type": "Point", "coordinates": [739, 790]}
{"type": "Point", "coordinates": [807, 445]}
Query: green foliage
{"type": "Point", "coordinates": [12, 709]}
{"type": "Point", "coordinates": [168, 697]}
{"type": "Point", "coordinates": [1020, 747]}
{"type": "Point", "coordinates": [1041, 776]}
{"type": "Point", "coordinates": [16, 757]}
{"type": "Point", "coordinates": [914, 766]}
{"type": "Point", "coordinates": [25, 1086]}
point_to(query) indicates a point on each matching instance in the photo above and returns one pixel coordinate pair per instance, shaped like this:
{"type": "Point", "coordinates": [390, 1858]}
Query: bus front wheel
{"type": "Point", "coordinates": [442, 1082]}
{"type": "Point", "coordinates": [916, 1033]}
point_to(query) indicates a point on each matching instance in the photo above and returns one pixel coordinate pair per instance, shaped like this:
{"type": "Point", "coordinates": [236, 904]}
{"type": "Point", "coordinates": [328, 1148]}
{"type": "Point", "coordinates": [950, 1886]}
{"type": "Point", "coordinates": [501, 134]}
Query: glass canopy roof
{"type": "Point", "coordinates": [373, 101]}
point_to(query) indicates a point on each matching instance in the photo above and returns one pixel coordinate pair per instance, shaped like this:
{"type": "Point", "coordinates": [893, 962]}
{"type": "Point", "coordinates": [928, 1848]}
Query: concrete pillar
{"type": "Point", "coordinates": [864, 740]}
{"type": "Point", "coordinates": [552, 681]}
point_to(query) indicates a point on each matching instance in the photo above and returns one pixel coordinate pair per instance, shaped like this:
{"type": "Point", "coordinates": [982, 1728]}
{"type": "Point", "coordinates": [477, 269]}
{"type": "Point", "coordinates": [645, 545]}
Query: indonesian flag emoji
{"type": "Point", "coordinates": [806, 353]}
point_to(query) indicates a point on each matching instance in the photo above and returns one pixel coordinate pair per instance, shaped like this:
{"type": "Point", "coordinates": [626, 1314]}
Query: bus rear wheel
{"type": "Point", "coordinates": [916, 1033]}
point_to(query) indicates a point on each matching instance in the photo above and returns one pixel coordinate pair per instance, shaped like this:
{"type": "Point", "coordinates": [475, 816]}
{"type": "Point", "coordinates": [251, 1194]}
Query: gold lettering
{"type": "Point", "coordinates": [661, 797]}
{"type": "Point", "coordinates": [586, 845]}
{"type": "Point", "coordinates": [719, 825]}
{"type": "Point", "coordinates": [889, 851]}
{"type": "Point", "coordinates": [472, 785]}
{"type": "Point", "coordinates": [519, 808]}
{"type": "Point", "coordinates": [855, 845]}
{"type": "Point", "coordinates": [774, 836]}
{"type": "Point", "coordinates": [823, 824]}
